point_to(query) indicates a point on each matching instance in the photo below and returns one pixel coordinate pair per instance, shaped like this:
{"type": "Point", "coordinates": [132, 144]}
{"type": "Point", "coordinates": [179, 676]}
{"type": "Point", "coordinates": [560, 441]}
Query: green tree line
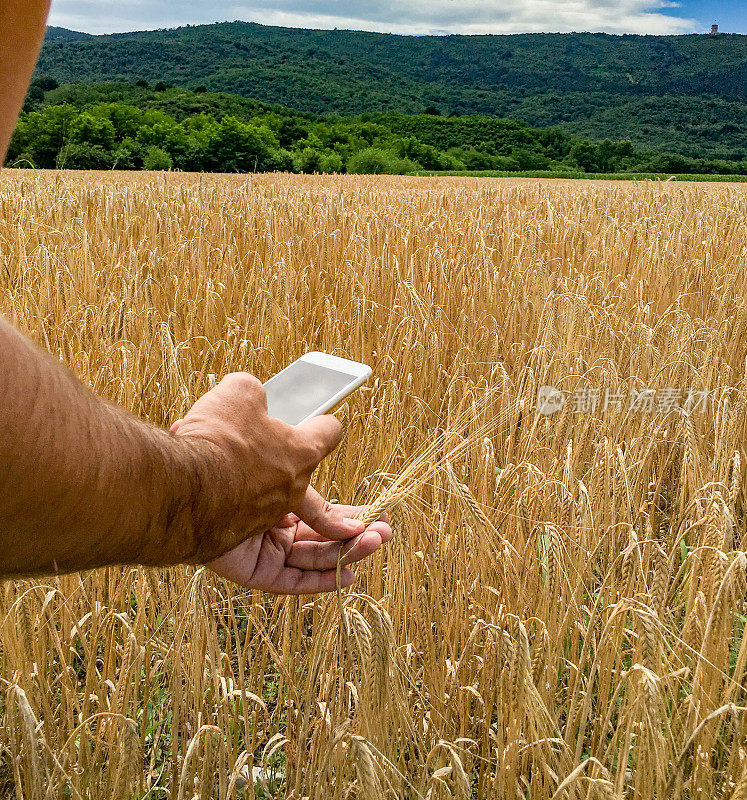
{"type": "Point", "coordinates": [126, 126]}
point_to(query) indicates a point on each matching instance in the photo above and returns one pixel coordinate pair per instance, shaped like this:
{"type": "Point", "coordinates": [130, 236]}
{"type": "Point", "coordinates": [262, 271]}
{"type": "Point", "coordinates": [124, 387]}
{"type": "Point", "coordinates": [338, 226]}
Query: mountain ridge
{"type": "Point", "coordinates": [683, 93]}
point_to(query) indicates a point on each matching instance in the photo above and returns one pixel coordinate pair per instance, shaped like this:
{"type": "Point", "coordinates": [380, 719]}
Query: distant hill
{"type": "Point", "coordinates": [684, 94]}
{"type": "Point", "coordinates": [63, 34]}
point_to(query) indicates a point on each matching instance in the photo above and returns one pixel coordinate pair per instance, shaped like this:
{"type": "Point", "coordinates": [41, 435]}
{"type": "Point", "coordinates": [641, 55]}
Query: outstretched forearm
{"type": "Point", "coordinates": [85, 484]}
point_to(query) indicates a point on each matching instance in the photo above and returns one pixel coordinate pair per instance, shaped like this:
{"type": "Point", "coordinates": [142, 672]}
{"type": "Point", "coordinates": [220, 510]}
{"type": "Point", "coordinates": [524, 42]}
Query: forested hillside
{"type": "Point", "coordinates": [683, 94]}
{"type": "Point", "coordinates": [139, 126]}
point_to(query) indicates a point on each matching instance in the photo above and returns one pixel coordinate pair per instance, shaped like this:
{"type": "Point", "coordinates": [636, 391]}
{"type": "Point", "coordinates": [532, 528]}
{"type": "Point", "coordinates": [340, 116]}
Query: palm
{"type": "Point", "coordinates": [292, 558]}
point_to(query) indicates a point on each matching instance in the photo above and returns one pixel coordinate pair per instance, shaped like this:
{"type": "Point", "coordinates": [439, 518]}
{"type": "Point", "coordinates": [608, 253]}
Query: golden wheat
{"type": "Point", "coordinates": [561, 613]}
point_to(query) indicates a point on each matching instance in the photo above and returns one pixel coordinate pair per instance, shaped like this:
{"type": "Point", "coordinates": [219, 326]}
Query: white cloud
{"type": "Point", "coordinates": [389, 16]}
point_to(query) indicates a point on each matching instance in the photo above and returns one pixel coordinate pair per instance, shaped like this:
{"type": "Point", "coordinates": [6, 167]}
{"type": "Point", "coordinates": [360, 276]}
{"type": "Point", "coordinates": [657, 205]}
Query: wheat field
{"type": "Point", "coordinates": [561, 612]}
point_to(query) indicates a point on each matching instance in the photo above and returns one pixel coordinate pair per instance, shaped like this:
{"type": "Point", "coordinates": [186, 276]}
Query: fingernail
{"type": "Point", "coordinates": [353, 525]}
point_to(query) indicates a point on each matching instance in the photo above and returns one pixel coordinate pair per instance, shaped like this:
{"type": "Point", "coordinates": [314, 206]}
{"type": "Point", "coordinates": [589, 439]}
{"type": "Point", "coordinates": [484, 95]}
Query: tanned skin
{"type": "Point", "coordinates": [85, 484]}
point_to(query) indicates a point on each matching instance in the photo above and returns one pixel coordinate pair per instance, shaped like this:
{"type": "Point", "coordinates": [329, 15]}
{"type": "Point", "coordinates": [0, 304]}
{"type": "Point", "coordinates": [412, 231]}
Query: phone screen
{"type": "Point", "coordinates": [299, 390]}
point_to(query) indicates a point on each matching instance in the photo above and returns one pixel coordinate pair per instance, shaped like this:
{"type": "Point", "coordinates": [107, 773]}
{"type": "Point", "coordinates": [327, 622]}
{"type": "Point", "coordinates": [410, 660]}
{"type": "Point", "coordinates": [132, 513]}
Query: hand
{"type": "Point", "coordinates": [293, 558]}
{"type": "Point", "coordinates": [262, 524]}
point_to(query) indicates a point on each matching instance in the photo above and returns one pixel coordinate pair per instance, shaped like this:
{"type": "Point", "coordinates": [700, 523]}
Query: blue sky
{"type": "Point", "coordinates": [730, 14]}
{"type": "Point", "coordinates": [412, 16]}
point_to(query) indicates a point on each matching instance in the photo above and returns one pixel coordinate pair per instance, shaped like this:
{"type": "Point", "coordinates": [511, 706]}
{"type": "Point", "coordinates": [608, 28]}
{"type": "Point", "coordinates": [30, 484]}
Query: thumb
{"type": "Point", "coordinates": [322, 433]}
{"type": "Point", "coordinates": [326, 518]}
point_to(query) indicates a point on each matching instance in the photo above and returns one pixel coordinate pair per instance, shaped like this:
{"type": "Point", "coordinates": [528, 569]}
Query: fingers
{"type": "Point", "coordinates": [322, 520]}
{"type": "Point", "coordinates": [289, 580]}
{"type": "Point", "coordinates": [353, 512]}
{"type": "Point", "coordinates": [312, 555]}
{"type": "Point", "coordinates": [305, 533]}
{"type": "Point", "coordinates": [327, 519]}
{"type": "Point", "coordinates": [311, 566]}
{"type": "Point", "coordinates": [323, 434]}
{"type": "Point", "coordinates": [294, 581]}
{"type": "Point", "coordinates": [300, 561]}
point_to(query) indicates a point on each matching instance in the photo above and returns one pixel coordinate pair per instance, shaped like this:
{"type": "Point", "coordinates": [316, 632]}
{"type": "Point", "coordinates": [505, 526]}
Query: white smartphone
{"type": "Point", "coordinates": [313, 384]}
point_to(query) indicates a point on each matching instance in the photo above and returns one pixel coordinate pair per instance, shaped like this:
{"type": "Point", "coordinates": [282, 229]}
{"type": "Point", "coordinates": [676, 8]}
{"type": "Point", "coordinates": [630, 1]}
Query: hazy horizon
{"type": "Point", "coordinates": [360, 30]}
{"type": "Point", "coordinates": [415, 17]}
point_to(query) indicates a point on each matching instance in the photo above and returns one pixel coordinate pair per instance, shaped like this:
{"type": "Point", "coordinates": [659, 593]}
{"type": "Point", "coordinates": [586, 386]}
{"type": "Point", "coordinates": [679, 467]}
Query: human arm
{"type": "Point", "coordinates": [84, 484]}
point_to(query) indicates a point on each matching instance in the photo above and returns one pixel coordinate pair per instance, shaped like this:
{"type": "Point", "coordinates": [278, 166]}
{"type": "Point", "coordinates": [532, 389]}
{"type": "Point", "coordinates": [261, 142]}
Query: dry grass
{"type": "Point", "coordinates": [561, 614]}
